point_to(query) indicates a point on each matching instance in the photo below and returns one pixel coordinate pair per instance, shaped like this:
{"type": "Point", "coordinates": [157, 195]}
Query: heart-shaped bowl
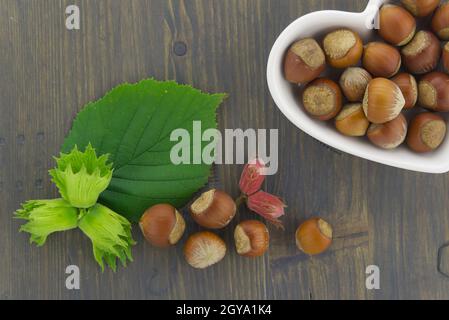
{"type": "Point", "coordinates": [286, 97]}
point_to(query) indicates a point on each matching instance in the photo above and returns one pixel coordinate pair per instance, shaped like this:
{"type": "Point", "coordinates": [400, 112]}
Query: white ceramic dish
{"type": "Point", "coordinates": [315, 25]}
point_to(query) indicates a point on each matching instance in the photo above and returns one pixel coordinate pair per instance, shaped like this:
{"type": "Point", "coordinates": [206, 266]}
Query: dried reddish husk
{"type": "Point", "coordinates": [383, 101]}
{"type": "Point", "coordinates": [314, 236]}
{"type": "Point", "coordinates": [204, 249]}
{"type": "Point", "coordinates": [304, 61]}
{"type": "Point", "coordinates": [427, 132]}
{"type": "Point", "coordinates": [162, 225]}
{"type": "Point", "coordinates": [252, 178]}
{"type": "Point", "coordinates": [214, 209]}
{"type": "Point", "coordinates": [397, 25]}
{"type": "Point", "coordinates": [423, 53]}
{"type": "Point", "coordinates": [322, 99]}
{"type": "Point", "coordinates": [421, 8]}
{"type": "Point", "coordinates": [440, 22]}
{"type": "Point", "coordinates": [268, 206]}
{"type": "Point", "coordinates": [409, 88]}
{"type": "Point", "coordinates": [343, 48]}
{"type": "Point", "coordinates": [434, 91]}
{"type": "Point", "coordinates": [251, 238]}
{"type": "Point", "coordinates": [352, 121]}
{"type": "Point", "coordinates": [389, 135]}
{"type": "Point", "coordinates": [381, 59]}
{"type": "Point", "coordinates": [353, 83]}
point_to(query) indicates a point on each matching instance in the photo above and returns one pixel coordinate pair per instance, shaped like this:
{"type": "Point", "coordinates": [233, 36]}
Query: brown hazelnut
{"type": "Point", "coordinates": [204, 249]}
{"type": "Point", "coordinates": [423, 53]}
{"type": "Point", "coordinates": [383, 101]}
{"type": "Point", "coordinates": [434, 91]}
{"type": "Point", "coordinates": [353, 83]}
{"type": "Point", "coordinates": [322, 99]}
{"type": "Point", "coordinates": [440, 22]}
{"type": "Point", "coordinates": [446, 57]}
{"type": "Point", "coordinates": [426, 133]}
{"type": "Point", "coordinates": [304, 61]}
{"type": "Point", "coordinates": [389, 135]}
{"type": "Point", "coordinates": [421, 8]}
{"type": "Point", "coordinates": [397, 25]}
{"type": "Point", "coordinates": [214, 209]}
{"type": "Point", "coordinates": [343, 48]}
{"type": "Point", "coordinates": [162, 225]}
{"type": "Point", "coordinates": [314, 236]}
{"type": "Point", "coordinates": [251, 238]}
{"type": "Point", "coordinates": [381, 59]}
{"type": "Point", "coordinates": [409, 88]}
{"type": "Point", "coordinates": [352, 121]}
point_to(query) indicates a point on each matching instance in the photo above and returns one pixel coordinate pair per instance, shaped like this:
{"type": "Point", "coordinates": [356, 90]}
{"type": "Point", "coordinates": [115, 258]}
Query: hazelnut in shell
{"type": "Point", "coordinates": [434, 91]}
{"type": "Point", "coordinates": [423, 53]}
{"type": "Point", "coordinates": [314, 236]}
{"type": "Point", "coordinates": [421, 8]}
{"type": "Point", "coordinates": [204, 249]}
{"type": "Point", "coordinates": [214, 209]}
{"type": "Point", "coordinates": [162, 225]}
{"type": "Point", "coordinates": [304, 61]}
{"type": "Point", "coordinates": [383, 101]}
{"type": "Point", "coordinates": [409, 88]}
{"type": "Point", "coordinates": [446, 57]}
{"type": "Point", "coordinates": [426, 133]}
{"type": "Point", "coordinates": [381, 59]}
{"type": "Point", "coordinates": [251, 238]}
{"type": "Point", "coordinates": [397, 25]}
{"type": "Point", "coordinates": [352, 121]}
{"type": "Point", "coordinates": [389, 135]}
{"type": "Point", "coordinates": [440, 22]}
{"type": "Point", "coordinates": [343, 48]}
{"type": "Point", "coordinates": [353, 83]}
{"type": "Point", "coordinates": [322, 99]}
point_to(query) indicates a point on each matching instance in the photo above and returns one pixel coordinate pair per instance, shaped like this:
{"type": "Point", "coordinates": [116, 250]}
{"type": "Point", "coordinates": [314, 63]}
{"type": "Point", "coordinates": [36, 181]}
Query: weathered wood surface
{"type": "Point", "coordinates": [384, 216]}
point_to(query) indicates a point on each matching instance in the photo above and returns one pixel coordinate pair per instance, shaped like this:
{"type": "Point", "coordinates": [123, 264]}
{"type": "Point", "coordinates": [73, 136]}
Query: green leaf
{"type": "Point", "coordinates": [81, 176]}
{"type": "Point", "coordinates": [133, 124]}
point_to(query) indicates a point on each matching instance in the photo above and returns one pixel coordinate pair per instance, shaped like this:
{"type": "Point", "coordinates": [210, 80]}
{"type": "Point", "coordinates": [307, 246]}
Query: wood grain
{"type": "Point", "coordinates": [384, 216]}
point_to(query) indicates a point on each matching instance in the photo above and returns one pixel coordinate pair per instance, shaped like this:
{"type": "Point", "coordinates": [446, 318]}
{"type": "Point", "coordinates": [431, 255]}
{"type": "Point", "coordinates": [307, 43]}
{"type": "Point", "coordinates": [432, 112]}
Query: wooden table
{"type": "Point", "coordinates": [382, 216]}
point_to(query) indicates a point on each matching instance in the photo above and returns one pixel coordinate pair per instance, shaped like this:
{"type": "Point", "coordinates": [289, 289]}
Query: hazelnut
{"type": "Point", "coordinates": [434, 91]}
{"type": "Point", "coordinates": [446, 57]}
{"type": "Point", "coordinates": [353, 83]}
{"type": "Point", "coordinates": [389, 135]}
{"type": "Point", "coordinates": [343, 48]}
{"type": "Point", "coordinates": [251, 238]}
{"type": "Point", "coordinates": [440, 22]}
{"type": "Point", "coordinates": [409, 88]}
{"type": "Point", "coordinates": [304, 61]}
{"type": "Point", "coordinates": [383, 101]}
{"type": "Point", "coordinates": [204, 249]}
{"type": "Point", "coordinates": [381, 59]}
{"type": "Point", "coordinates": [421, 8]}
{"type": "Point", "coordinates": [423, 53]}
{"type": "Point", "coordinates": [322, 99]}
{"type": "Point", "coordinates": [214, 209]}
{"type": "Point", "coordinates": [314, 236]}
{"type": "Point", "coordinates": [352, 121]}
{"type": "Point", "coordinates": [397, 25]}
{"type": "Point", "coordinates": [162, 225]}
{"type": "Point", "coordinates": [426, 133]}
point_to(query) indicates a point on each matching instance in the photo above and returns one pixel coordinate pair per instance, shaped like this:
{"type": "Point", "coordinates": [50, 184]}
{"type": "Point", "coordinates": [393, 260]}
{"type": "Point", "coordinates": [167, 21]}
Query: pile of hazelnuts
{"type": "Point", "coordinates": [377, 92]}
{"type": "Point", "coordinates": [163, 226]}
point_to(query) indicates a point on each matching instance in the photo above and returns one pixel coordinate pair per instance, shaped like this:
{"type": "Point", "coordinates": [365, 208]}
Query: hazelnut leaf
{"type": "Point", "coordinates": [133, 123]}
